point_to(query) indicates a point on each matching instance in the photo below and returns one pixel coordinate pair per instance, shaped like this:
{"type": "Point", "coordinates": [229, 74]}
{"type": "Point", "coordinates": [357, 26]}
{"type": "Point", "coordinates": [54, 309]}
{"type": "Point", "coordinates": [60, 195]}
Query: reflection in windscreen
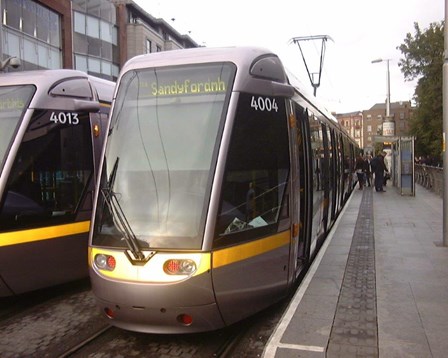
{"type": "Point", "coordinates": [13, 102]}
{"type": "Point", "coordinates": [164, 131]}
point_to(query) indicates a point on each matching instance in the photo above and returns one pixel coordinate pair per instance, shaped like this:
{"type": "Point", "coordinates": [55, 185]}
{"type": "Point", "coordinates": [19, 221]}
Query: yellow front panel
{"type": "Point", "coordinates": [152, 271]}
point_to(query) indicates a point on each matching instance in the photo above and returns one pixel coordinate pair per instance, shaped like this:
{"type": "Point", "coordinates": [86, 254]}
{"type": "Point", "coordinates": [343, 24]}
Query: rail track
{"type": "Point", "coordinates": [245, 339]}
{"type": "Point", "coordinates": [64, 322]}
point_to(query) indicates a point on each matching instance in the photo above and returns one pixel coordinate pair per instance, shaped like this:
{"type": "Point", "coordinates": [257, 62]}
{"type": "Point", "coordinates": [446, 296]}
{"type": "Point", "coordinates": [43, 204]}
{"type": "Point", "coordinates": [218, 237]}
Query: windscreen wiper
{"type": "Point", "coordinates": [121, 222]}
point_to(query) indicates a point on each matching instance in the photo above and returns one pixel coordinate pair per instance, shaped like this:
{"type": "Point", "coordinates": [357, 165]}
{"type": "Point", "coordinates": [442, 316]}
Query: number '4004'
{"type": "Point", "coordinates": [65, 118]}
{"type": "Point", "coordinates": [264, 104]}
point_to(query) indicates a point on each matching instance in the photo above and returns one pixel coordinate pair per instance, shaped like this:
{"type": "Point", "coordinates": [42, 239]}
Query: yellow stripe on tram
{"type": "Point", "coordinates": [244, 251]}
{"type": "Point", "coordinates": [45, 233]}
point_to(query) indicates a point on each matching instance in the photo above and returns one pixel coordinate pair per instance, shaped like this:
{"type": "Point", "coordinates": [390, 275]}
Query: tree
{"type": "Point", "coordinates": [423, 59]}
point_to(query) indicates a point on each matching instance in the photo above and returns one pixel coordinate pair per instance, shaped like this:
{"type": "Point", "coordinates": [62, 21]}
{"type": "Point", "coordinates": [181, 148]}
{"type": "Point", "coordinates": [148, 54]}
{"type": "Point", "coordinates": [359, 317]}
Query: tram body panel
{"type": "Point", "coordinates": [33, 265]}
{"type": "Point", "coordinates": [250, 277]}
{"type": "Point", "coordinates": [54, 124]}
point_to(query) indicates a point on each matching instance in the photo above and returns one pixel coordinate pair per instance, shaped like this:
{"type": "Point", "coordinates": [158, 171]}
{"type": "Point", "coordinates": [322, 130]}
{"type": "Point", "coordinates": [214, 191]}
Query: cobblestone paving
{"type": "Point", "coordinates": [46, 331]}
{"type": "Point", "coordinates": [354, 332]}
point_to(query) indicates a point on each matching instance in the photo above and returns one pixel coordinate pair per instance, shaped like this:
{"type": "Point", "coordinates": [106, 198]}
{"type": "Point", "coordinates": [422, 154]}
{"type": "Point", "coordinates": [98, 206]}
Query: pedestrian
{"type": "Point", "coordinates": [368, 171]}
{"type": "Point", "coordinates": [360, 170]}
{"type": "Point", "coordinates": [379, 167]}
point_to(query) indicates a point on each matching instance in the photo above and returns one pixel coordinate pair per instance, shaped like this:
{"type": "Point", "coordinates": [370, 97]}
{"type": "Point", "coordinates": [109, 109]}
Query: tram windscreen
{"type": "Point", "coordinates": [164, 135]}
{"type": "Point", "coordinates": [13, 103]}
{"type": "Point", "coordinates": [51, 172]}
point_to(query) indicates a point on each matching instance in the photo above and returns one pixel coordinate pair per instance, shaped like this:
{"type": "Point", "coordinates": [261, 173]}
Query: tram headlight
{"type": "Point", "coordinates": [105, 262]}
{"type": "Point", "coordinates": [179, 267]}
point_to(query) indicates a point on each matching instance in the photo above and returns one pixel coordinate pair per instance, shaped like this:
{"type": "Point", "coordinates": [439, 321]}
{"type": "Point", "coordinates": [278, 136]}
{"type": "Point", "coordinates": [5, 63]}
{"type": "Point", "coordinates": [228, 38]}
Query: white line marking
{"type": "Point", "coordinates": [301, 347]}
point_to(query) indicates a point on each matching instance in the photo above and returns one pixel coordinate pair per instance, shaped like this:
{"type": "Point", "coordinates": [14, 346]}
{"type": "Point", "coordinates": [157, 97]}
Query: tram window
{"type": "Point", "coordinates": [256, 174]}
{"type": "Point", "coordinates": [50, 174]}
{"type": "Point", "coordinates": [13, 102]}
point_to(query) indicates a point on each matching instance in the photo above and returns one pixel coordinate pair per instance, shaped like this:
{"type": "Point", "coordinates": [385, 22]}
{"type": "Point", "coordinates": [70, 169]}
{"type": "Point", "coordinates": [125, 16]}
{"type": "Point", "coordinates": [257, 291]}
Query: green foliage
{"type": "Point", "coordinates": [423, 59]}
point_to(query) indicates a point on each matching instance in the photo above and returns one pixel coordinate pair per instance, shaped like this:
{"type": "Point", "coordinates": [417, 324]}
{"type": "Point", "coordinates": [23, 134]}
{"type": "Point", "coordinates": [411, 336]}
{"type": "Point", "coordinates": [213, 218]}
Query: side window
{"type": "Point", "coordinates": [51, 172]}
{"type": "Point", "coordinates": [253, 196]}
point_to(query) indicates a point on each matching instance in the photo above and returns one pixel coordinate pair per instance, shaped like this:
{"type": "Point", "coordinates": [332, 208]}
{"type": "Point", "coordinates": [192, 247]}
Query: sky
{"type": "Point", "coordinates": [358, 31]}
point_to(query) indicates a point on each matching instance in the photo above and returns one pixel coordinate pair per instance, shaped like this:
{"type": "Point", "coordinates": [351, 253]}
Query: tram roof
{"type": "Point", "coordinates": [42, 76]}
{"type": "Point", "coordinates": [236, 54]}
{"type": "Point", "coordinates": [50, 93]}
{"type": "Point", "coordinates": [244, 57]}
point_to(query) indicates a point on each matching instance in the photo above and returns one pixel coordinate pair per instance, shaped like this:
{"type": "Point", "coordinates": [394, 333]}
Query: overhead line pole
{"type": "Point", "coordinates": [445, 129]}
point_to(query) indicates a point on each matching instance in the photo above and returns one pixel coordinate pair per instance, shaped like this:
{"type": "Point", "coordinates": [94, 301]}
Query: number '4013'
{"type": "Point", "coordinates": [64, 118]}
{"type": "Point", "coordinates": [264, 104]}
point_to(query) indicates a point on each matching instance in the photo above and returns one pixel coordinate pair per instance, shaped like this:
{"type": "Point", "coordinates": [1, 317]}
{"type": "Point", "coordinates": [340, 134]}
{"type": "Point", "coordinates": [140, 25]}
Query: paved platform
{"type": "Point", "coordinates": [378, 287]}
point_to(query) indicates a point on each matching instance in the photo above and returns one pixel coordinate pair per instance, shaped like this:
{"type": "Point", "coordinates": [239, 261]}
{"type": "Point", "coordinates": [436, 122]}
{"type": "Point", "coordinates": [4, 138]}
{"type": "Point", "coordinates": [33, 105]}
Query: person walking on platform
{"type": "Point", "coordinates": [379, 167]}
{"type": "Point", "coordinates": [360, 168]}
{"type": "Point", "coordinates": [368, 175]}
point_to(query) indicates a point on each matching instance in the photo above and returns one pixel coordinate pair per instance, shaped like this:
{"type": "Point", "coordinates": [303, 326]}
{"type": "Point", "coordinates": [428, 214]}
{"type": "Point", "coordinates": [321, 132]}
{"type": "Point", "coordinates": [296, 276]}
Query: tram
{"type": "Point", "coordinates": [52, 129]}
{"type": "Point", "coordinates": [220, 181]}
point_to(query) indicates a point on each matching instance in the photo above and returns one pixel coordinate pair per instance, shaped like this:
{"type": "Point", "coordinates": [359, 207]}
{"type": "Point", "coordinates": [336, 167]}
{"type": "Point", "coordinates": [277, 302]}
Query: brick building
{"type": "Point", "coordinates": [364, 125]}
{"type": "Point", "coordinates": [353, 124]}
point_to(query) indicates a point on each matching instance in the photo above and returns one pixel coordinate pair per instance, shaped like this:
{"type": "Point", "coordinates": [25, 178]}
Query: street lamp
{"type": "Point", "coordinates": [388, 84]}
{"type": "Point", "coordinates": [391, 129]}
{"type": "Point", "coordinates": [14, 62]}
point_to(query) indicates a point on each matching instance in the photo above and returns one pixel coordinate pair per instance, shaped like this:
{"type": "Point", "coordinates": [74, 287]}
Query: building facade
{"type": "Point", "coordinates": [363, 126]}
{"type": "Point", "coordinates": [353, 124]}
{"type": "Point", "coordinates": [94, 36]}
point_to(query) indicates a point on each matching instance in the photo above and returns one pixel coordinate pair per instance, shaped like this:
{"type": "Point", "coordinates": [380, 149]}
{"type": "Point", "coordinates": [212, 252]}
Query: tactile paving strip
{"type": "Point", "coordinates": [355, 329]}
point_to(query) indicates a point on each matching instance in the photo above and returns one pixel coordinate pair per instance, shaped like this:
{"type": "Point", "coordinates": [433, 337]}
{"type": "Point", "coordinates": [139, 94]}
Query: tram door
{"type": "Point", "coordinates": [303, 186]}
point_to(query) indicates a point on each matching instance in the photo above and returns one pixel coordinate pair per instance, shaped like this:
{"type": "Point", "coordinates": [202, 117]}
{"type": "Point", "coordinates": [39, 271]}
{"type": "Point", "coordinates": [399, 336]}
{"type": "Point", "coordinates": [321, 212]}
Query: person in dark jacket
{"type": "Point", "coordinates": [360, 168]}
{"type": "Point", "coordinates": [378, 167]}
{"type": "Point", "coordinates": [368, 176]}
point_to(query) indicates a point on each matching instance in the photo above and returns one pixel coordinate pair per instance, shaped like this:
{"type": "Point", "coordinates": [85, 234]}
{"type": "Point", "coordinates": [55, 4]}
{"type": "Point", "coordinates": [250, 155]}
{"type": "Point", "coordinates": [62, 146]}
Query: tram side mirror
{"type": "Point", "coordinates": [282, 90]}
{"type": "Point", "coordinates": [86, 106]}
{"type": "Point", "coordinates": [79, 91]}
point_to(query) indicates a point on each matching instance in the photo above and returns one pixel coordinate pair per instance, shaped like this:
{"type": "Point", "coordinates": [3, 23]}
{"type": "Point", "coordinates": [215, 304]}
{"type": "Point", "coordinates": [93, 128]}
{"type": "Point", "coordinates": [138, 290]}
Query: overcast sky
{"type": "Point", "coordinates": [361, 31]}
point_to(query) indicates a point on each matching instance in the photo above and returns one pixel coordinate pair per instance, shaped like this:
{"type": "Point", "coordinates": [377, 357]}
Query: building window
{"type": "Point", "coordinates": [42, 47]}
{"type": "Point", "coordinates": [369, 128]}
{"type": "Point", "coordinates": [401, 115]}
{"type": "Point", "coordinates": [148, 46]}
{"type": "Point", "coordinates": [90, 64]}
{"type": "Point", "coordinates": [93, 27]}
{"type": "Point", "coordinates": [106, 31]}
{"type": "Point", "coordinates": [159, 49]}
{"type": "Point", "coordinates": [80, 23]}
{"type": "Point", "coordinates": [81, 63]}
{"type": "Point", "coordinates": [94, 64]}
{"type": "Point", "coordinates": [95, 41]}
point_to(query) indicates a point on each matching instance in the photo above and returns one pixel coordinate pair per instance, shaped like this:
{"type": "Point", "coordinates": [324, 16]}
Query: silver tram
{"type": "Point", "coordinates": [52, 128]}
{"type": "Point", "coordinates": [219, 183]}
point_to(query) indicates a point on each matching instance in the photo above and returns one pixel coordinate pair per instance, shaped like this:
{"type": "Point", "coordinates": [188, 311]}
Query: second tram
{"type": "Point", "coordinates": [52, 129]}
{"type": "Point", "coordinates": [220, 182]}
